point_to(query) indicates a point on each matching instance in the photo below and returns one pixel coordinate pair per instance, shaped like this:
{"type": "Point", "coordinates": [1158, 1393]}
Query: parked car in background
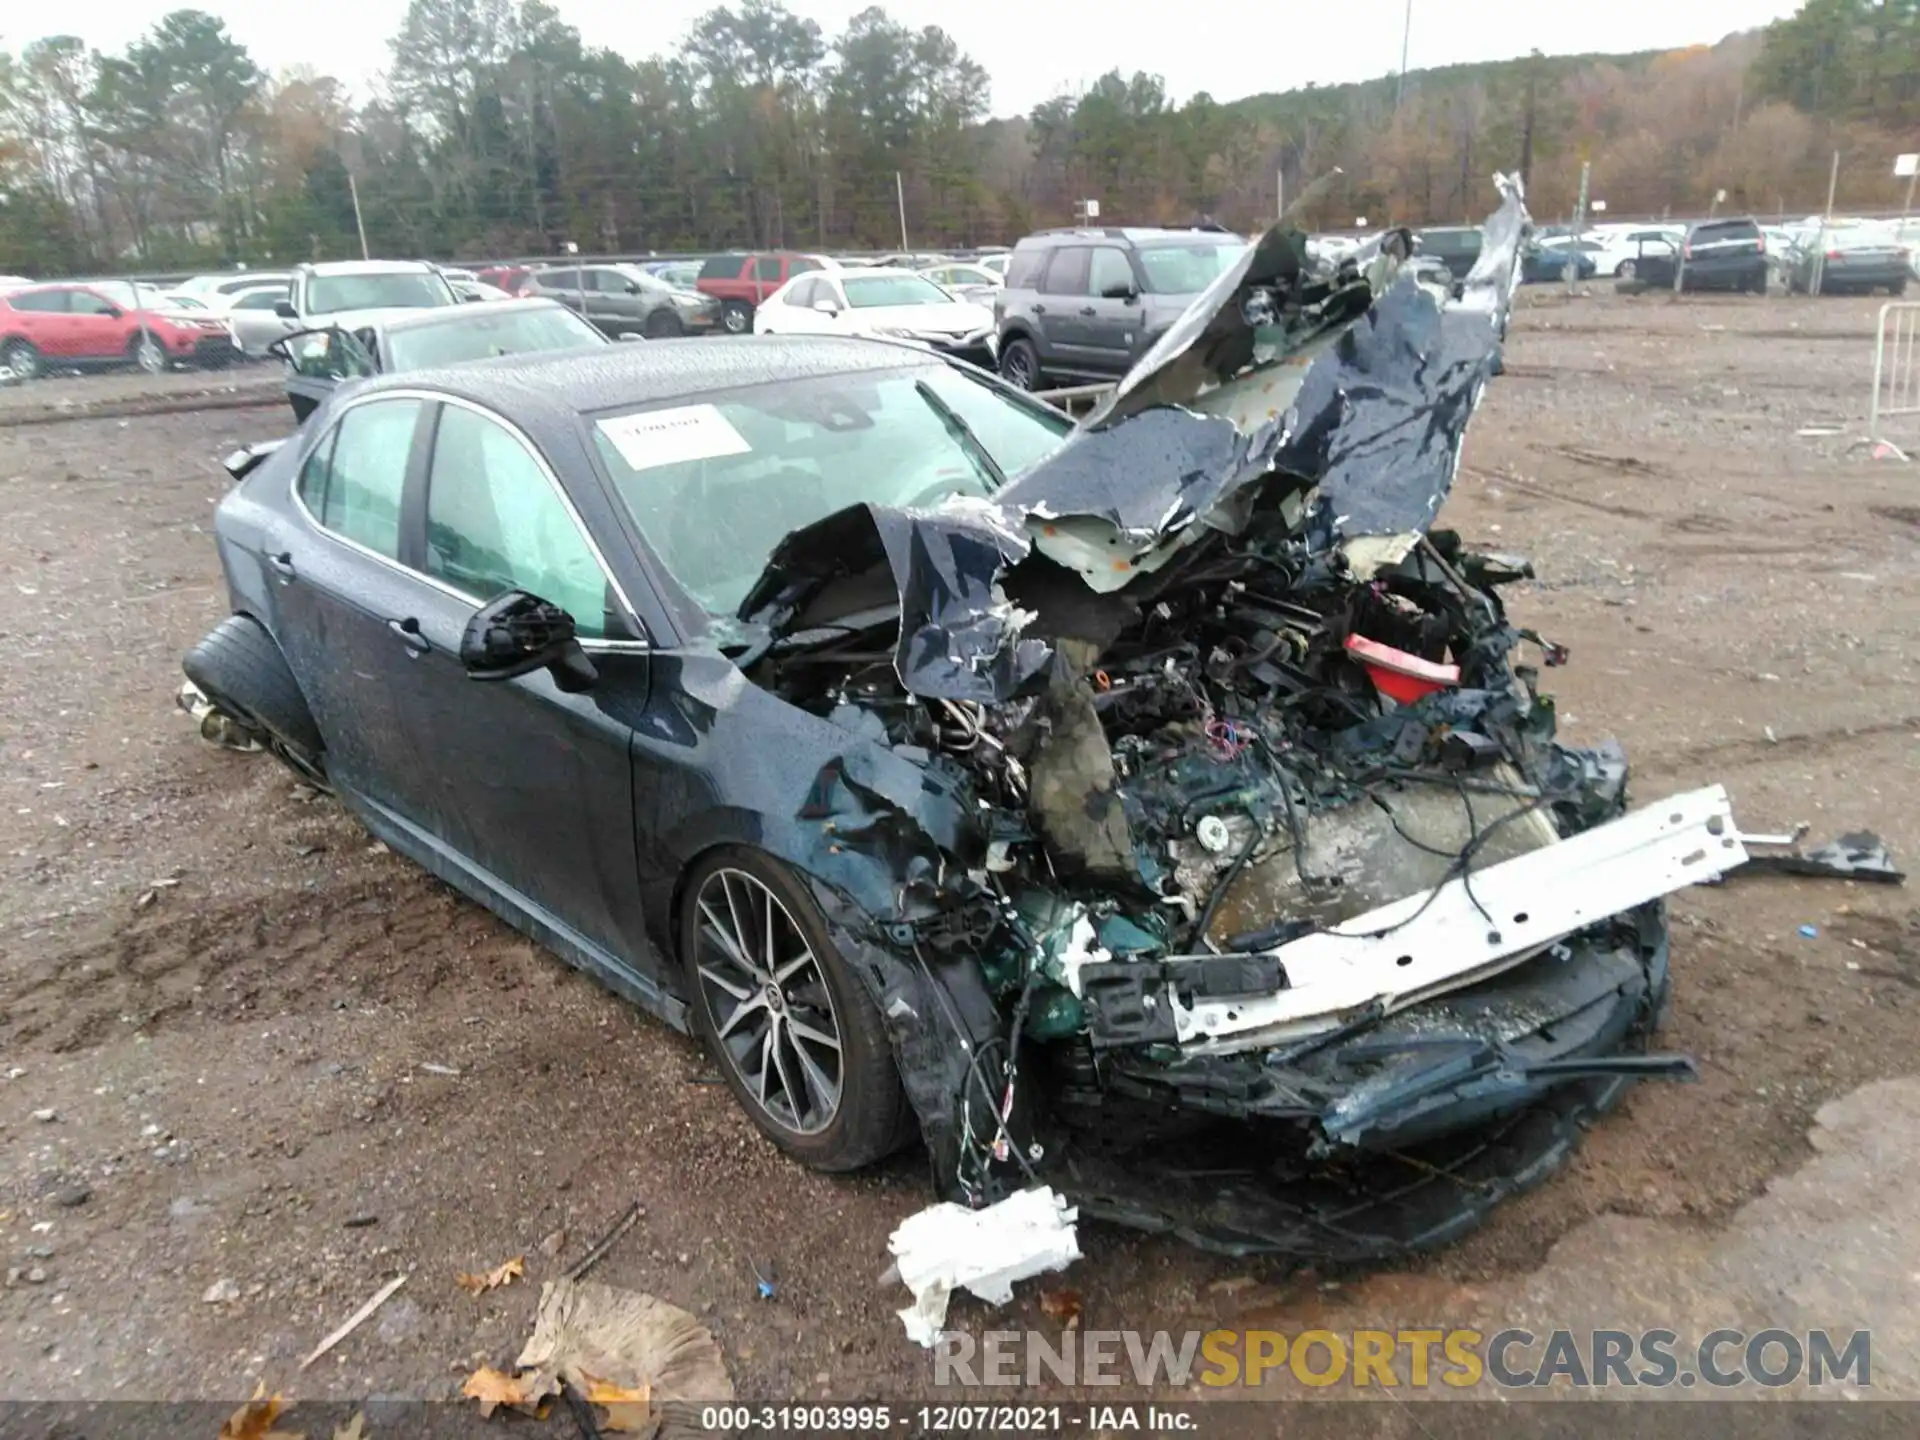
{"type": "Point", "coordinates": [470, 291]}
{"type": "Point", "coordinates": [254, 320]}
{"type": "Point", "coordinates": [13, 282]}
{"type": "Point", "coordinates": [218, 292]}
{"type": "Point", "coordinates": [509, 278]}
{"type": "Point", "coordinates": [968, 280]}
{"type": "Point", "coordinates": [1714, 255]}
{"type": "Point", "coordinates": [1084, 304]}
{"type": "Point", "coordinates": [1455, 246]}
{"type": "Point", "coordinates": [1541, 263]}
{"type": "Point", "coordinates": [893, 304]}
{"type": "Point", "coordinates": [1614, 252]}
{"type": "Point", "coordinates": [996, 262]}
{"type": "Point", "coordinates": [625, 300]}
{"type": "Point", "coordinates": [681, 274]}
{"type": "Point", "coordinates": [1849, 262]}
{"type": "Point", "coordinates": [741, 281]}
{"type": "Point", "coordinates": [319, 360]}
{"type": "Point", "coordinates": [103, 324]}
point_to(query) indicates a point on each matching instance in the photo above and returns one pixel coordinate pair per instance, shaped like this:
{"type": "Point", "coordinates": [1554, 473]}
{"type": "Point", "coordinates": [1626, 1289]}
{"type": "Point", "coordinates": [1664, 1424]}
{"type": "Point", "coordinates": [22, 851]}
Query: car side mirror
{"type": "Point", "coordinates": [629, 335]}
{"type": "Point", "coordinates": [516, 633]}
{"type": "Point", "coordinates": [284, 309]}
{"type": "Point", "coordinates": [633, 287]}
{"type": "Point", "coordinates": [473, 298]}
{"type": "Point", "coordinates": [826, 307]}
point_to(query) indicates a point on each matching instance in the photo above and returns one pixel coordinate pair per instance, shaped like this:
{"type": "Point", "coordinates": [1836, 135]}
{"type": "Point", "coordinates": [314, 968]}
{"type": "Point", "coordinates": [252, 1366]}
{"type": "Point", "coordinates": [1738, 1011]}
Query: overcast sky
{"type": "Point", "coordinates": [1032, 49]}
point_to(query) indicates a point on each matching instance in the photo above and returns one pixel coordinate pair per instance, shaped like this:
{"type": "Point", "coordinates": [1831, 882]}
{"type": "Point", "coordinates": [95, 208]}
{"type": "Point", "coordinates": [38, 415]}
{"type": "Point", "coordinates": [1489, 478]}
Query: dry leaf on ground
{"type": "Point", "coordinates": [354, 1429]}
{"type": "Point", "coordinates": [1061, 1305]}
{"type": "Point", "coordinates": [629, 1412]}
{"type": "Point", "coordinates": [254, 1420]}
{"type": "Point", "coordinates": [493, 1279]}
{"type": "Point", "coordinates": [493, 1388]}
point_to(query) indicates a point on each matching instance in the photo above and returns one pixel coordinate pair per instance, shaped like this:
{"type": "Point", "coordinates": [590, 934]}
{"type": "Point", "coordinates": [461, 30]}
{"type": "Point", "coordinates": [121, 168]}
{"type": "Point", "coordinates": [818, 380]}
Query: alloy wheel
{"type": "Point", "coordinates": [23, 360]}
{"type": "Point", "coordinates": [1625, 272]}
{"type": "Point", "coordinates": [736, 320]}
{"type": "Point", "coordinates": [149, 356]}
{"type": "Point", "coordinates": [768, 999]}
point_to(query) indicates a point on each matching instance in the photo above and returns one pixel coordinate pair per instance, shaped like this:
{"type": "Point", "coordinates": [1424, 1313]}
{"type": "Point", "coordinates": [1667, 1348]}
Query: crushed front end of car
{"type": "Point", "coordinates": [1238, 885]}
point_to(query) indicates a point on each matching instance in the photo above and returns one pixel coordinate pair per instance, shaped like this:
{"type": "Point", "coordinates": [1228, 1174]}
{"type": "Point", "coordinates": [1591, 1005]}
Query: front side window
{"type": "Point", "coordinates": [495, 523]}
{"type": "Point", "coordinates": [356, 493]}
{"type": "Point", "coordinates": [85, 302]}
{"type": "Point", "coordinates": [388, 290]}
{"type": "Point", "coordinates": [259, 300]}
{"type": "Point", "coordinates": [716, 482]}
{"type": "Point", "coordinates": [803, 293]}
{"type": "Point", "coordinates": [1112, 275]}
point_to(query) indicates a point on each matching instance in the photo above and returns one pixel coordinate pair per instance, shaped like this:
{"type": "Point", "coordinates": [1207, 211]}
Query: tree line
{"type": "Point", "coordinates": [495, 131]}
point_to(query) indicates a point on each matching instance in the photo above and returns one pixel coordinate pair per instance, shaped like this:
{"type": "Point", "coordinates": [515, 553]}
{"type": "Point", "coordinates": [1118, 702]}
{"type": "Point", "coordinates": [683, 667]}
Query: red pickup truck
{"type": "Point", "coordinates": [78, 326]}
{"type": "Point", "coordinates": [740, 281]}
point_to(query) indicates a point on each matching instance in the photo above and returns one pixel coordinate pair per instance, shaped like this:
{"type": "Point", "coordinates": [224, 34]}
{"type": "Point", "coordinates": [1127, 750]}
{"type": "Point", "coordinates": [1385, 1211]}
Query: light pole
{"type": "Point", "coordinates": [1406, 35]}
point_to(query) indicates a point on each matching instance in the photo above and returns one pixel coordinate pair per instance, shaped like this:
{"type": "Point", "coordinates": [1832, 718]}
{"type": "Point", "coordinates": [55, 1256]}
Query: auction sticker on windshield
{"type": "Point", "coordinates": [669, 437]}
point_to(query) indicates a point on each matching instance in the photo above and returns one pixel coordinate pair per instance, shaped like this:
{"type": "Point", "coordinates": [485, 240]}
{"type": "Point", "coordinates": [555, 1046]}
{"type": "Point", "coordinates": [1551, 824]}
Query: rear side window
{"type": "Point", "coordinates": [804, 293]}
{"type": "Point", "coordinates": [1067, 275]}
{"type": "Point", "coordinates": [722, 267]}
{"type": "Point", "coordinates": [356, 492]}
{"type": "Point", "coordinates": [767, 268]}
{"type": "Point", "coordinates": [45, 302]}
{"type": "Point", "coordinates": [1024, 267]}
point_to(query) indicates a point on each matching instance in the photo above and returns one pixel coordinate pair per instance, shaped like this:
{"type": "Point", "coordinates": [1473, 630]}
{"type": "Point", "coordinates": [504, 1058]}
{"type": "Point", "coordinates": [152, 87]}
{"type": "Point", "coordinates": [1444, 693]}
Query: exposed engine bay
{"type": "Point", "coordinates": [1246, 891]}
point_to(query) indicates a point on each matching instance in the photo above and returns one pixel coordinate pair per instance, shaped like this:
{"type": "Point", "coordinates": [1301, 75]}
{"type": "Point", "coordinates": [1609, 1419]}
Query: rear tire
{"type": "Point", "coordinates": [21, 357]}
{"type": "Point", "coordinates": [240, 668]}
{"type": "Point", "coordinates": [1624, 270]}
{"type": "Point", "coordinates": [726, 895]}
{"type": "Point", "coordinates": [1899, 287]}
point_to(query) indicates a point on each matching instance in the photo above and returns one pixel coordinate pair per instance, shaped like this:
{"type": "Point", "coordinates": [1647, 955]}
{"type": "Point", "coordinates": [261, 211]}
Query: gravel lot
{"type": "Point", "coordinates": [226, 994]}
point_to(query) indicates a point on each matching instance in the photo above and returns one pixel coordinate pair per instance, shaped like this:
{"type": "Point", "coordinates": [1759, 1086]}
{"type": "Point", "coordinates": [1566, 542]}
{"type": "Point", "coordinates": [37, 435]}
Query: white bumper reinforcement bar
{"type": "Point", "coordinates": [1438, 941]}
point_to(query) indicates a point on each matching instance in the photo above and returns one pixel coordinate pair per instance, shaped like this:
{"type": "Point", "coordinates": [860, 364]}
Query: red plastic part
{"type": "Point", "coordinates": [1398, 675]}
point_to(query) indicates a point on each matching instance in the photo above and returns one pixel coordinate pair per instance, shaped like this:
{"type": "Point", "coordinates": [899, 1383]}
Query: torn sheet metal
{"type": "Point", "coordinates": [1471, 927]}
{"type": "Point", "coordinates": [1856, 855]}
{"type": "Point", "coordinates": [947, 1247]}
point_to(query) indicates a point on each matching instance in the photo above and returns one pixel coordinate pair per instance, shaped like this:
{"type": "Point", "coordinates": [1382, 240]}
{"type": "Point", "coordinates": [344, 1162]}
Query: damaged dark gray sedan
{"type": "Point", "coordinates": [1160, 807]}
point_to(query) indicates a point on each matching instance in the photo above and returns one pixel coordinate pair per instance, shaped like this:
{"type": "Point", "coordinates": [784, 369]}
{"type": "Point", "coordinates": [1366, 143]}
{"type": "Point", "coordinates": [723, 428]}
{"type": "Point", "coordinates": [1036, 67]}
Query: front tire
{"type": "Point", "coordinates": [1020, 363]}
{"type": "Point", "coordinates": [147, 354]}
{"type": "Point", "coordinates": [793, 1029]}
{"type": "Point", "coordinates": [1624, 270]}
{"type": "Point", "coordinates": [663, 325]}
{"type": "Point", "coordinates": [736, 317]}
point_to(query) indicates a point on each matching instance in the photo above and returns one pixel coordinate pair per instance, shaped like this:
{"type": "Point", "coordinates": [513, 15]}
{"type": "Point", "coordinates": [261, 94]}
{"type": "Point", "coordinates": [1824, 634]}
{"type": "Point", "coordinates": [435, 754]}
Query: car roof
{"type": "Point", "coordinates": [369, 267]}
{"type": "Point", "coordinates": [453, 314]}
{"type": "Point", "coordinates": [549, 389]}
{"type": "Point", "coordinates": [1133, 234]}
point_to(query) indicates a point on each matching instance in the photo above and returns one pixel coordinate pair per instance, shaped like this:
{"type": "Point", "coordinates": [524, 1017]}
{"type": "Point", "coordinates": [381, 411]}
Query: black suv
{"type": "Point", "coordinates": [1717, 254]}
{"type": "Point", "coordinates": [1084, 304]}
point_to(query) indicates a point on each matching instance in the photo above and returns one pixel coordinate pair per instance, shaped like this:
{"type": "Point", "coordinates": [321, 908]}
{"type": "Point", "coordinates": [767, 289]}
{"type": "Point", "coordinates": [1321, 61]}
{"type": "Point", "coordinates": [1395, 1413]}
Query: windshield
{"type": "Point", "coordinates": [864, 292]}
{"type": "Point", "coordinates": [389, 290]}
{"type": "Point", "coordinates": [479, 334]}
{"type": "Point", "coordinates": [716, 485]}
{"type": "Point", "coordinates": [1186, 269]}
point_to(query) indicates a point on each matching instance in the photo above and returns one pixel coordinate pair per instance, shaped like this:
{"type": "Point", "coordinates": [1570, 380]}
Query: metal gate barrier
{"type": "Point", "coordinates": [1896, 365]}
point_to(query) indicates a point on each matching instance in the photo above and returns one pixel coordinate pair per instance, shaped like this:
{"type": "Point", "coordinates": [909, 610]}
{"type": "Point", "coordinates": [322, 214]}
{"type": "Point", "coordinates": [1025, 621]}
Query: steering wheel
{"type": "Point", "coordinates": [937, 491]}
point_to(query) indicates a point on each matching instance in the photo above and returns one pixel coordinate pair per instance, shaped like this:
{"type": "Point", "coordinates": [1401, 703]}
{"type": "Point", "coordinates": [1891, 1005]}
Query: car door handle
{"type": "Point", "coordinates": [282, 564]}
{"type": "Point", "coordinates": [1088, 311]}
{"type": "Point", "coordinates": [1039, 309]}
{"type": "Point", "coordinates": [407, 632]}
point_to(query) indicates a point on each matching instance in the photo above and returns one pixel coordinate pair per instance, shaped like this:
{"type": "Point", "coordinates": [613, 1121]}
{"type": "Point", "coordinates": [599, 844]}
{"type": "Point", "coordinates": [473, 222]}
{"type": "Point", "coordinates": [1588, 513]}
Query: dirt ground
{"type": "Point", "coordinates": [227, 996]}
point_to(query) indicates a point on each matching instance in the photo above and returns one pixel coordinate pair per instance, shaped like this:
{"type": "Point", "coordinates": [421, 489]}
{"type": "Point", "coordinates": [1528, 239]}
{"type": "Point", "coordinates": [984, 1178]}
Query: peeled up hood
{"type": "Point", "coordinates": [1326, 411]}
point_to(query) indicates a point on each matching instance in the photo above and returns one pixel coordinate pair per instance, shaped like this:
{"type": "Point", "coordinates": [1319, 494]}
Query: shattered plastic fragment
{"type": "Point", "coordinates": [947, 1247]}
